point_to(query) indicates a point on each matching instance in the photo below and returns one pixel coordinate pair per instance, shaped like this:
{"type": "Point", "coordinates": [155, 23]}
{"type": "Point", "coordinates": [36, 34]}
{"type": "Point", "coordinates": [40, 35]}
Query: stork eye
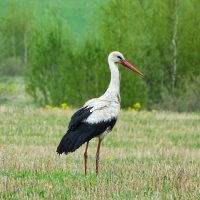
{"type": "Point", "coordinates": [120, 57]}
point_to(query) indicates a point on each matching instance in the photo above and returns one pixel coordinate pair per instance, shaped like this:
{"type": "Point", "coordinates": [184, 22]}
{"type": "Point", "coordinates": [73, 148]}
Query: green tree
{"type": "Point", "coordinates": [15, 24]}
{"type": "Point", "coordinates": [93, 67]}
{"type": "Point", "coordinates": [2, 47]}
{"type": "Point", "coordinates": [49, 75]}
{"type": "Point", "coordinates": [188, 41]}
{"type": "Point", "coordinates": [156, 36]}
{"type": "Point", "coordinates": [117, 32]}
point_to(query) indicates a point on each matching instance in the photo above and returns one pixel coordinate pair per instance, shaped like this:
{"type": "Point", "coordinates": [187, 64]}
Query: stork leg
{"type": "Point", "coordinates": [85, 157]}
{"type": "Point", "coordinates": [97, 156]}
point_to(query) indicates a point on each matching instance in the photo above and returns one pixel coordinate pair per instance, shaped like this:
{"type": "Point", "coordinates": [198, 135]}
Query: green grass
{"type": "Point", "coordinates": [147, 156]}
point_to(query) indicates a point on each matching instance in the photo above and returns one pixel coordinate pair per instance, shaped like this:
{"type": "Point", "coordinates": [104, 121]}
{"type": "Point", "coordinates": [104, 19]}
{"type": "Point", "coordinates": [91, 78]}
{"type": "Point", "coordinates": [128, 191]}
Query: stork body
{"type": "Point", "coordinates": [98, 116]}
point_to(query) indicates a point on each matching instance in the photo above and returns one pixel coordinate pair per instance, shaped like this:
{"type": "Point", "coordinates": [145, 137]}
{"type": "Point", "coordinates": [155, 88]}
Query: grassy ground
{"type": "Point", "coordinates": [147, 156]}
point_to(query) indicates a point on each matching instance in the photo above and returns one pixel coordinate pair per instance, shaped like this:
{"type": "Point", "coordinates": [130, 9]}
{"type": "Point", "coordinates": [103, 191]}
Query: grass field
{"type": "Point", "coordinates": [149, 155]}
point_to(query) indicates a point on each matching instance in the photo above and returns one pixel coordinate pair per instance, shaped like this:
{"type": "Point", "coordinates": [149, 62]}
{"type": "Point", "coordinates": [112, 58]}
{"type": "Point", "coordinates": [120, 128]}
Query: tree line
{"type": "Point", "coordinates": [161, 38]}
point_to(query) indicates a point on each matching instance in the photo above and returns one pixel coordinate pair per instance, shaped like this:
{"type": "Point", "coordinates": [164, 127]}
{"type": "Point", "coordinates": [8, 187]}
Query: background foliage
{"type": "Point", "coordinates": [66, 62]}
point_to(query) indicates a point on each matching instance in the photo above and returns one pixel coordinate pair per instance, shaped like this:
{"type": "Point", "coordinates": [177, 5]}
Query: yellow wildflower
{"type": "Point", "coordinates": [137, 105]}
{"type": "Point", "coordinates": [64, 106]}
{"type": "Point", "coordinates": [47, 107]}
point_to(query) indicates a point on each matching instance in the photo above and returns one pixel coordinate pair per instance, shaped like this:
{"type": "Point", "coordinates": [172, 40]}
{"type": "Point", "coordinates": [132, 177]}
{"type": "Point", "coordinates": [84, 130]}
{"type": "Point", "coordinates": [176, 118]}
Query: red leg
{"type": "Point", "coordinates": [85, 157]}
{"type": "Point", "coordinates": [97, 157]}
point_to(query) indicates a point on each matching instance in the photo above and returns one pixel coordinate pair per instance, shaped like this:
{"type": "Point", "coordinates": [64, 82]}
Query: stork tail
{"type": "Point", "coordinates": [70, 142]}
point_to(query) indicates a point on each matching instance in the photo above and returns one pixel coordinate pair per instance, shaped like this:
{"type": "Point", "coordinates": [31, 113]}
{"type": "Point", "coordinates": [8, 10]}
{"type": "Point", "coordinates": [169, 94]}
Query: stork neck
{"type": "Point", "coordinates": [113, 88]}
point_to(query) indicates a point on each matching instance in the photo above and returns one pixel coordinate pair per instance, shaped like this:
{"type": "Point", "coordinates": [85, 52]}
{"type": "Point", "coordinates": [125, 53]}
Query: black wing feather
{"type": "Point", "coordinates": [78, 117]}
{"type": "Point", "coordinates": [80, 132]}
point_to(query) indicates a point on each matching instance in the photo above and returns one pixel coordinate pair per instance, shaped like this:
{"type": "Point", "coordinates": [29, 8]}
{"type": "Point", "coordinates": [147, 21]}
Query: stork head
{"type": "Point", "coordinates": [117, 57]}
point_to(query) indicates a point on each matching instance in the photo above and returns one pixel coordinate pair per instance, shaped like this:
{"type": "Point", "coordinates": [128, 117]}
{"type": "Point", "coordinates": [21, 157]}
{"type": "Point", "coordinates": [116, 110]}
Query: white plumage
{"type": "Point", "coordinates": [102, 110]}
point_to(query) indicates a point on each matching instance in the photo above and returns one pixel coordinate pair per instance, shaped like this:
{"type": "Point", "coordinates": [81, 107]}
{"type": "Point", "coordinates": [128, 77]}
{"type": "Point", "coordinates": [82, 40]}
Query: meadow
{"type": "Point", "coordinates": [148, 155]}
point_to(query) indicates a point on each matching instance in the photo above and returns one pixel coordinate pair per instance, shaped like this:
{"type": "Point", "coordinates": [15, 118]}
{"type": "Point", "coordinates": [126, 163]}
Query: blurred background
{"type": "Point", "coordinates": [55, 51]}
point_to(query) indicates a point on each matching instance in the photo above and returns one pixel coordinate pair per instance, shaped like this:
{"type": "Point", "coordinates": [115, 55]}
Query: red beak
{"type": "Point", "coordinates": [128, 65]}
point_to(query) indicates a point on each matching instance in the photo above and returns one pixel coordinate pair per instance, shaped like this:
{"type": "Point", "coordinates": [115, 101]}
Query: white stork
{"type": "Point", "coordinates": [98, 116]}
